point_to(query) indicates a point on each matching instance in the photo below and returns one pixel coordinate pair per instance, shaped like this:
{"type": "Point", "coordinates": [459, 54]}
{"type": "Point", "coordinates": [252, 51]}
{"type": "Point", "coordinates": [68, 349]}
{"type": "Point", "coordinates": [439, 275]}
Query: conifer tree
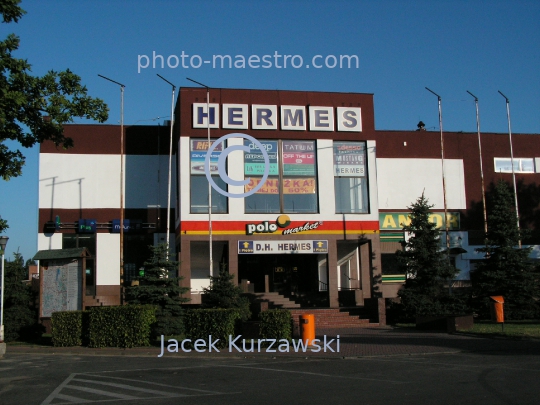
{"type": "Point", "coordinates": [427, 267]}
{"type": "Point", "coordinates": [506, 270]}
{"type": "Point", "coordinates": [159, 286]}
{"type": "Point", "coordinates": [223, 293]}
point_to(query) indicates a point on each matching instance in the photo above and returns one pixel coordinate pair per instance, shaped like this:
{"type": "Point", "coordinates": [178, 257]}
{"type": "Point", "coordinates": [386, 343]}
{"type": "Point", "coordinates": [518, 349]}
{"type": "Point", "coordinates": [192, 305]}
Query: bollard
{"type": "Point", "coordinates": [307, 328]}
{"type": "Point", "coordinates": [496, 307]}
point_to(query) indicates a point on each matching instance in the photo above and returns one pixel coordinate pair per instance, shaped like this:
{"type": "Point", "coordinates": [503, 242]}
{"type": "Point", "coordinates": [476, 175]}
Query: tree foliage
{"type": "Point", "coordinates": [20, 311]}
{"type": "Point", "coordinates": [33, 109]}
{"type": "Point", "coordinates": [223, 293]}
{"type": "Point", "coordinates": [506, 270]}
{"type": "Point", "coordinates": [427, 267]}
{"type": "Point", "coordinates": [159, 286]}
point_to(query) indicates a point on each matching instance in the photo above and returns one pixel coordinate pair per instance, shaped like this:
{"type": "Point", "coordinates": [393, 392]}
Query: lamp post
{"type": "Point", "coordinates": [121, 179]}
{"type": "Point", "coordinates": [481, 168]}
{"type": "Point", "coordinates": [443, 176]}
{"type": "Point", "coordinates": [512, 161]}
{"type": "Point", "coordinates": [209, 185]}
{"type": "Point", "coordinates": [3, 243]}
{"type": "Point", "coordinates": [170, 162]}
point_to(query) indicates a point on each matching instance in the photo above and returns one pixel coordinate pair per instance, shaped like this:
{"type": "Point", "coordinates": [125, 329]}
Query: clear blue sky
{"type": "Point", "coordinates": [449, 46]}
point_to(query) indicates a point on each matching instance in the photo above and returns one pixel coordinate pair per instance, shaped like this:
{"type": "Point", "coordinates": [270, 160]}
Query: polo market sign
{"type": "Point", "coordinates": [389, 221]}
{"type": "Point", "coordinates": [282, 222]}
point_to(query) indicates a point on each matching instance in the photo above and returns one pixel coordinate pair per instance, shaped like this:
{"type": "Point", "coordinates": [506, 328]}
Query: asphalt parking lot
{"type": "Point", "coordinates": [375, 366]}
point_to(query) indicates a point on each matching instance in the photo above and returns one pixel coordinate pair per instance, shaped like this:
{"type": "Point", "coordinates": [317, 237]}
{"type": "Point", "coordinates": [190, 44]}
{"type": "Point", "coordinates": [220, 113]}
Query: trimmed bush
{"type": "Point", "coordinates": [122, 326]}
{"type": "Point", "coordinates": [218, 323]}
{"type": "Point", "coordinates": [69, 328]}
{"type": "Point", "coordinates": [275, 324]}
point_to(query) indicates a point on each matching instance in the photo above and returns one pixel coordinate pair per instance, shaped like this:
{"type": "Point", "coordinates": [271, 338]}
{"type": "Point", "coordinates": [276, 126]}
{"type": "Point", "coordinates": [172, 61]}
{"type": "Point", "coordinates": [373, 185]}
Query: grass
{"type": "Point", "coordinates": [511, 329]}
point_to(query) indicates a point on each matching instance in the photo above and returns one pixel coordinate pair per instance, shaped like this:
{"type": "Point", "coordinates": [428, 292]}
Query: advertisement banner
{"type": "Point", "coordinates": [298, 158]}
{"type": "Point", "coordinates": [303, 185]}
{"type": "Point", "coordinates": [198, 155]}
{"type": "Point", "coordinates": [254, 159]}
{"type": "Point", "coordinates": [349, 159]}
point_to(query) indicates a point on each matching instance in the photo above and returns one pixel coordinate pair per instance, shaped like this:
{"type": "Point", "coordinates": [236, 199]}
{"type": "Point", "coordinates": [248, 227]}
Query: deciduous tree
{"type": "Point", "coordinates": [33, 109]}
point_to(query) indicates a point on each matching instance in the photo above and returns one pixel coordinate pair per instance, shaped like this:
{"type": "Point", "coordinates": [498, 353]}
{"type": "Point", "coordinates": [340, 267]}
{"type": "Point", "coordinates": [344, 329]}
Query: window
{"type": "Point", "coordinates": [350, 180]}
{"type": "Point", "coordinates": [521, 165]}
{"type": "Point", "coordinates": [291, 185]}
{"type": "Point", "coordinates": [266, 199]}
{"type": "Point", "coordinates": [199, 182]}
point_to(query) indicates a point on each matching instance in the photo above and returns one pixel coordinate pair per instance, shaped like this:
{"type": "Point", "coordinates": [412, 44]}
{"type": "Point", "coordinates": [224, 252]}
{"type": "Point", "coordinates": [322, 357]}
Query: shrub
{"type": "Point", "coordinates": [123, 326]}
{"type": "Point", "coordinates": [218, 323]}
{"type": "Point", "coordinates": [275, 324]}
{"type": "Point", "coordinates": [69, 328]}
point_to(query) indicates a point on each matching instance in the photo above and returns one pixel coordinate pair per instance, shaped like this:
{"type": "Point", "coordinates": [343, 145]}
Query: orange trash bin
{"type": "Point", "coordinates": [307, 328]}
{"type": "Point", "coordinates": [496, 308]}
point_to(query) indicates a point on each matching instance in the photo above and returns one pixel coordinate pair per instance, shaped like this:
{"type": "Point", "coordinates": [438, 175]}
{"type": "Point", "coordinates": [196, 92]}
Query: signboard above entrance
{"type": "Point", "coordinates": [282, 246]}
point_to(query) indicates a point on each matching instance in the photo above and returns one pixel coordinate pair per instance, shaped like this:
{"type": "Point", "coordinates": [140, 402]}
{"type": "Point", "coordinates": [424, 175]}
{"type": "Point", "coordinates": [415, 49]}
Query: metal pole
{"type": "Point", "coordinates": [481, 167]}
{"type": "Point", "coordinates": [121, 179]}
{"type": "Point", "coordinates": [4, 240]}
{"type": "Point", "coordinates": [443, 176]}
{"type": "Point", "coordinates": [170, 163]}
{"type": "Point", "coordinates": [209, 185]}
{"type": "Point", "coordinates": [512, 163]}
{"type": "Point", "coordinates": [2, 309]}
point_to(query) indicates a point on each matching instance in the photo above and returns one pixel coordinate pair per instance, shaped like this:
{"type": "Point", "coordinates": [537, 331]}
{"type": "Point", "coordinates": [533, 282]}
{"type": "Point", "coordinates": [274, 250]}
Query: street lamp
{"type": "Point", "coordinates": [443, 177]}
{"type": "Point", "coordinates": [3, 243]}
{"type": "Point", "coordinates": [121, 180]}
{"type": "Point", "coordinates": [209, 185]}
{"type": "Point", "coordinates": [512, 161]}
{"type": "Point", "coordinates": [170, 162]}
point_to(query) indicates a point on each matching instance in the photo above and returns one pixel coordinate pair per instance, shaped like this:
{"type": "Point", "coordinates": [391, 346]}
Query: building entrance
{"type": "Point", "coordinates": [301, 277]}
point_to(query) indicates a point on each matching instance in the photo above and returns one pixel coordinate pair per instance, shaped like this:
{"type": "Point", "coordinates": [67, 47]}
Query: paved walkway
{"type": "Point", "coordinates": [353, 342]}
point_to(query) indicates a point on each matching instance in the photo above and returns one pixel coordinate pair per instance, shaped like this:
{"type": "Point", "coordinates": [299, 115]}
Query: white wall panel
{"type": "Point", "coordinates": [325, 176]}
{"type": "Point", "coordinates": [402, 181]}
{"type": "Point", "coordinates": [107, 259]}
{"type": "Point", "coordinates": [49, 241]}
{"type": "Point", "coordinates": [79, 181]}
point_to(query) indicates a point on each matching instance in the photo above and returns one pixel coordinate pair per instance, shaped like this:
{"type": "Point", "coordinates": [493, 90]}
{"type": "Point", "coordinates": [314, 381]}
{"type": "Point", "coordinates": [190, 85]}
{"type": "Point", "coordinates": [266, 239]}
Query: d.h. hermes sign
{"type": "Point", "coordinates": [291, 117]}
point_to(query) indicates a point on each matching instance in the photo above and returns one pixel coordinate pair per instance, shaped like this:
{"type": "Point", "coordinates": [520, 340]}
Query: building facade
{"type": "Point", "coordinates": [322, 228]}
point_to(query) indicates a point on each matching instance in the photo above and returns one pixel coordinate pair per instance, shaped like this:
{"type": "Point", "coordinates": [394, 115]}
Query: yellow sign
{"type": "Point", "coordinates": [398, 220]}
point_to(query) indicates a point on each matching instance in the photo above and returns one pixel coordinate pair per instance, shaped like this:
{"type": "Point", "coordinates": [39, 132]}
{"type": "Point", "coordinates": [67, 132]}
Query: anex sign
{"type": "Point", "coordinates": [397, 220]}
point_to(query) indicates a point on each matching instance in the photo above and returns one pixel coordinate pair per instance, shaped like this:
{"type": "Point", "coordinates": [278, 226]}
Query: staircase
{"type": "Point", "coordinates": [331, 318]}
{"type": "Point", "coordinates": [101, 300]}
{"type": "Point", "coordinates": [276, 300]}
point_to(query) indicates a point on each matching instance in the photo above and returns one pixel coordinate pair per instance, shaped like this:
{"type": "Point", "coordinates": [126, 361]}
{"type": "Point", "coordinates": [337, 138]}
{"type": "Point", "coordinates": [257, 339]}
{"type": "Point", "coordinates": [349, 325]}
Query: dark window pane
{"type": "Point", "coordinates": [266, 199]}
{"type": "Point", "coordinates": [199, 195]}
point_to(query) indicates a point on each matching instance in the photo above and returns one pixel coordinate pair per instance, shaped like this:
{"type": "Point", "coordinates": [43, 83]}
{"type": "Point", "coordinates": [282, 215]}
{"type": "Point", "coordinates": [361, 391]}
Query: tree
{"type": "Point", "coordinates": [160, 287]}
{"type": "Point", "coordinates": [427, 267]}
{"type": "Point", "coordinates": [34, 109]}
{"type": "Point", "coordinates": [223, 293]}
{"type": "Point", "coordinates": [20, 312]}
{"type": "Point", "coordinates": [506, 270]}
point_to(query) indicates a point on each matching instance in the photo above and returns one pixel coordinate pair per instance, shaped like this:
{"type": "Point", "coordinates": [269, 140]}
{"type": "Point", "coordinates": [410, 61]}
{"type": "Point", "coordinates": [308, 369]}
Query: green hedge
{"type": "Point", "coordinates": [218, 323]}
{"type": "Point", "coordinates": [69, 328]}
{"type": "Point", "coordinates": [123, 326]}
{"type": "Point", "coordinates": [275, 324]}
